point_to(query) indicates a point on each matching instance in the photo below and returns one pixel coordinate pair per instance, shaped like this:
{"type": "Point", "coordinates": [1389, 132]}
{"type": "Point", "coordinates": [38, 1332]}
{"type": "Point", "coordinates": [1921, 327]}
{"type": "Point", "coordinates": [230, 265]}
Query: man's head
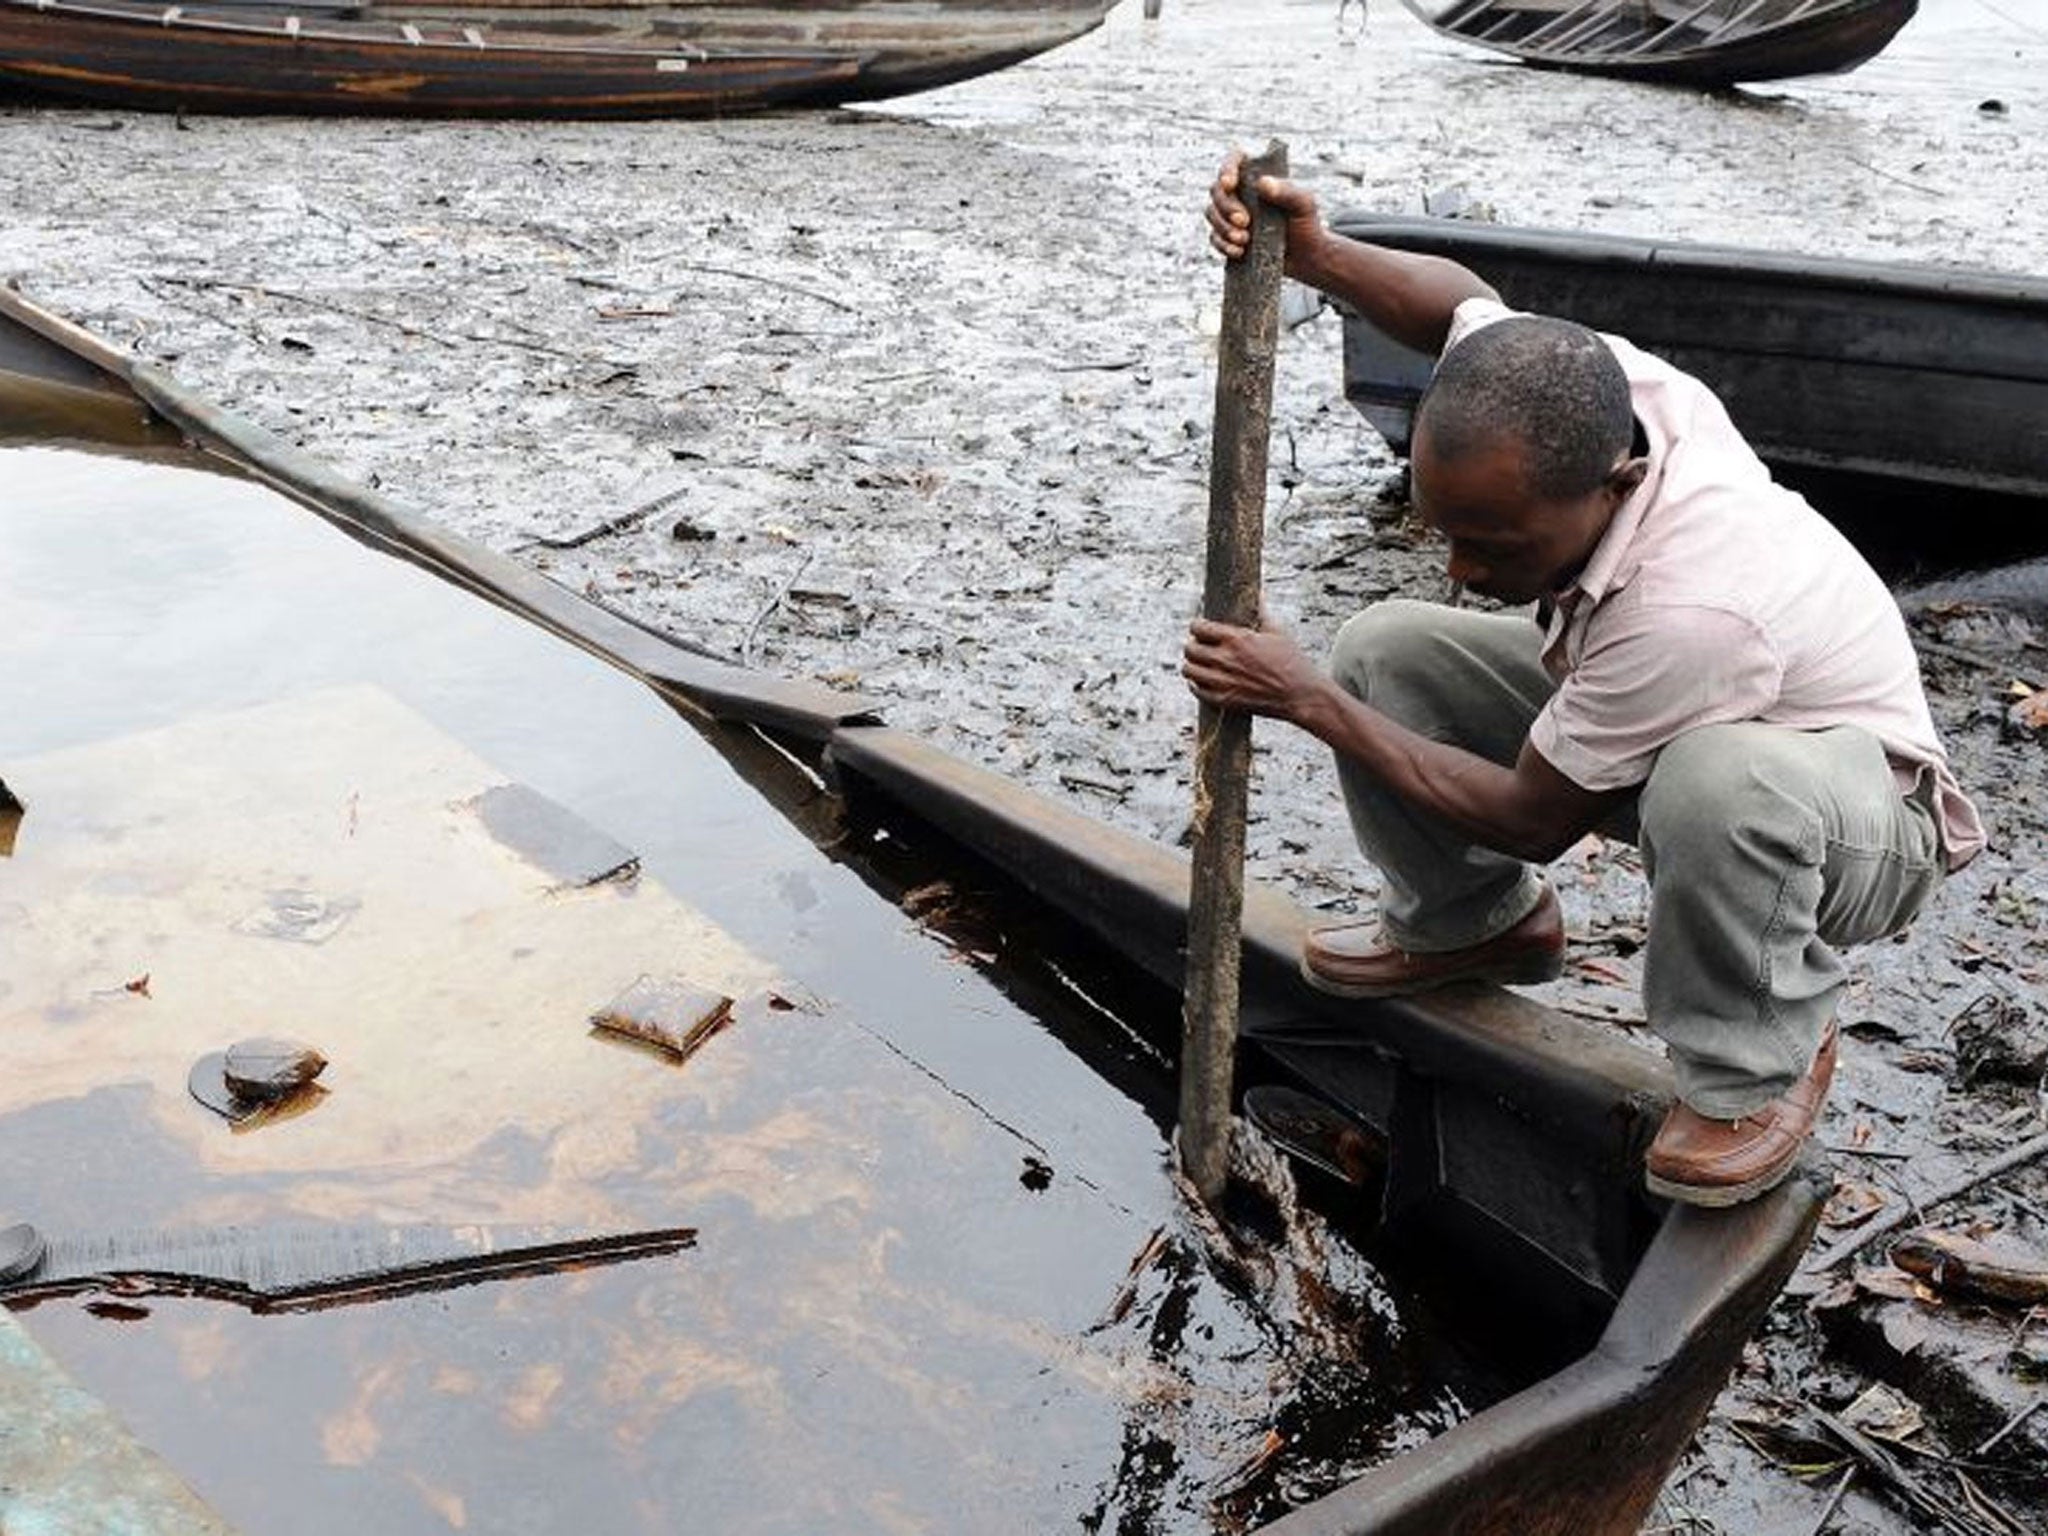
{"type": "Point", "coordinates": [1521, 453]}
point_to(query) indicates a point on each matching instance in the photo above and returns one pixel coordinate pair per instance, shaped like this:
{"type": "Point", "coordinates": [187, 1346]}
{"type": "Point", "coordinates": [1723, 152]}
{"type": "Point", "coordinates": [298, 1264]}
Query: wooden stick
{"type": "Point", "coordinates": [1834, 1500]}
{"type": "Point", "coordinates": [1223, 737]}
{"type": "Point", "coordinates": [1856, 1242]}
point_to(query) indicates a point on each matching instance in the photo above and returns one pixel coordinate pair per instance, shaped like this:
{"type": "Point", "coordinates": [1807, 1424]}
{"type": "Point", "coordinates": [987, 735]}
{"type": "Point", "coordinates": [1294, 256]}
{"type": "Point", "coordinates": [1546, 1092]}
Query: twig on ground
{"type": "Point", "coordinates": [766, 282]}
{"type": "Point", "coordinates": [1981, 1503]}
{"type": "Point", "coordinates": [1878, 170]}
{"type": "Point", "coordinates": [1099, 786]}
{"type": "Point", "coordinates": [1957, 1518]}
{"type": "Point", "coordinates": [611, 525]}
{"type": "Point", "coordinates": [264, 291]}
{"type": "Point", "coordinates": [2003, 667]}
{"type": "Point", "coordinates": [2016, 1157]}
{"type": "Point", "coordinates": [775, 602]}
{"type": "Point", "coordinates": [368, 317]}
{"type": "Point", "coordinates": [1834, 1502]}
{"type": "Point", "coordinates": [2011, 1424]}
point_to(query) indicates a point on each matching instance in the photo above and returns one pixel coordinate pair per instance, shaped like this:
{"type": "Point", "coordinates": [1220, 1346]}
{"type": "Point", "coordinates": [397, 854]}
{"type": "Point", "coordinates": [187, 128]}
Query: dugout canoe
{"type": "Point", "coordinates": [1909, 402]}
{"type": "Point", "coordinates": [541, 61]}
{"type": "Point", "coordinates": [1709, 43]}
{"type": "Point", "coordinates": [1513, 1133]}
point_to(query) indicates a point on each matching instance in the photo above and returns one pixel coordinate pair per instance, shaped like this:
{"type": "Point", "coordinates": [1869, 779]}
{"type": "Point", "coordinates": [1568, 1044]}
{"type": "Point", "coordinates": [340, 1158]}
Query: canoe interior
{"type": "Point", "coordinates": [1694, 42]}
{"type": "Point", "coordinates": [862, 1249]}
{"type": "Point", "coordinates": [1512, 1134]}
{"type": "Point", "coordinates": [502, 60]}
{"type": "Point", "coordinates": [1910, 402]}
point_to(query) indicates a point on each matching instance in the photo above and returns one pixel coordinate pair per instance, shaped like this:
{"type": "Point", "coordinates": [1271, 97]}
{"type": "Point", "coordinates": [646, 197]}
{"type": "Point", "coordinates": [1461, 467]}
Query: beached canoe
{"type": "Point", "coordinates": [617, 61]}
{"type": "Point", "coordinates": [1512, 1133]}
{"type": "Point", "coordinates": [1910, 403]}
{"type": "Point", "coordinates": [1684, 42]}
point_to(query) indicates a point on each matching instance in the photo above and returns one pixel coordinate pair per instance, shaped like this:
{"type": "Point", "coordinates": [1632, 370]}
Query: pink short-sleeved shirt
{"type": "Point", "coordinates": [1718, 595]}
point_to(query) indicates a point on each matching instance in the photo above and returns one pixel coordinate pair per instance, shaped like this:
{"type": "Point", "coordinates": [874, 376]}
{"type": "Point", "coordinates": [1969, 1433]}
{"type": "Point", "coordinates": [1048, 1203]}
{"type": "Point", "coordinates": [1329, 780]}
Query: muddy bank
{"type": "Point", "coordinates": [916, 400]}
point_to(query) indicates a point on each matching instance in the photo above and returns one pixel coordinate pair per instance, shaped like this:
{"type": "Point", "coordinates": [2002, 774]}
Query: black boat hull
{"type": "Point", "coordinates": [1899, 390]}
{"type": "Point", "coordinates": [1634, 41]}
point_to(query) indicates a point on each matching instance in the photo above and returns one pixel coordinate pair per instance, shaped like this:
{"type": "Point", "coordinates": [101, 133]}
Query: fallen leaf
{"type": "Point", "coordinates": [1889, 1281]}
{"type": "Point", "coordinates": [139, 986]}
{"type": "Point", "coordinates": [1885, 1414]}
{"type": "Point", "coordinates": [1852, 1203]}
{"type": "Point", "coordinates": [2031, 713]}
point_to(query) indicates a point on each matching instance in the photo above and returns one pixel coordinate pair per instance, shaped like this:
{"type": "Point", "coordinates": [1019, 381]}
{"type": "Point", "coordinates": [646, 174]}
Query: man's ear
{"type": "Point", "coordinates": [1623, 479]}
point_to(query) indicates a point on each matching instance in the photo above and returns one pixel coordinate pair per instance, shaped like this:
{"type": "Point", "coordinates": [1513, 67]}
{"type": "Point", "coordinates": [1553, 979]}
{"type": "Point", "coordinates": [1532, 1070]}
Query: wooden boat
{"type": "Point", "coordinates": [1513, 1133]}
{"type": "Point", "coordinates": [619, 61]}
{"type": "Point", "coordinates": [1884, 391]}
{"type": "Point", "coordinates": [903, 45]}
{"type": "Point", "coordinates": [1684, 42]}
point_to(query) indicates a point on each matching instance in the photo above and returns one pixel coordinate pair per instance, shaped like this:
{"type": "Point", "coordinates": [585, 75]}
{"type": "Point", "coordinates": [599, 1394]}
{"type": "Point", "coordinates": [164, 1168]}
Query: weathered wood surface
{"type": "Point", "coordinates": [1223, 737]}
{"type": "Point", "coordinates": [516, 60]}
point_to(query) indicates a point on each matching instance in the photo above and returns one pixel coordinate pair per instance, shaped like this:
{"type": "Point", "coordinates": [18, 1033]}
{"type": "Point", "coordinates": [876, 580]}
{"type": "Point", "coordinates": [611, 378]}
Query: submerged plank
{"type": "Point", "coordinates": [298, 1267]}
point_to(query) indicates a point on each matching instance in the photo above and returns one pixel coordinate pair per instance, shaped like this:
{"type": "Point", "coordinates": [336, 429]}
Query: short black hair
{"type": "Point", "coordinates": [1554, 386]}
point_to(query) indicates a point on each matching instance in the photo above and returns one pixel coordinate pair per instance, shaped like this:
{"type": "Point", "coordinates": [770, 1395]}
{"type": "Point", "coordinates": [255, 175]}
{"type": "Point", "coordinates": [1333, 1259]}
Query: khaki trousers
{"type": "Point", "coordinates": [1765, 848]}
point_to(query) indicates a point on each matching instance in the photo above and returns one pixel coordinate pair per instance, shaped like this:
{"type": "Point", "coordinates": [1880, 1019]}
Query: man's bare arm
{"type": "Point", "coordinates": [1411, 297]}
{"type": "Point", "coordinates": [1529, 811]}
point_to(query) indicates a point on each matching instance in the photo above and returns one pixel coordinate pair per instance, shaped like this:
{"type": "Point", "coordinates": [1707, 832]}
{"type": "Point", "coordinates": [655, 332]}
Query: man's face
{"type": "Point", "coordinates": [1507, 544]}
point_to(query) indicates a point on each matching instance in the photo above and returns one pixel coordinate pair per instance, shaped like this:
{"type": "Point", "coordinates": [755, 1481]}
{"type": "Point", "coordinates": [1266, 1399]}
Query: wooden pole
{"type": "Point", "coordinates": [1223, 737]}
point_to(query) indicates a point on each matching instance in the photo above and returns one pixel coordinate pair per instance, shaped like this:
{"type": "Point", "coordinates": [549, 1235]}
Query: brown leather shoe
{"type": "Point", "coordinates": [1725, 1162]}
{"type": "Point", "coordinates": [1357, 959]}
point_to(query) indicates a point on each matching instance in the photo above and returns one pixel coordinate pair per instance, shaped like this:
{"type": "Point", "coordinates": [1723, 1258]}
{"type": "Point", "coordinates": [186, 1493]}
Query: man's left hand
{"type": "Point", "coordinates": [1261, 670]}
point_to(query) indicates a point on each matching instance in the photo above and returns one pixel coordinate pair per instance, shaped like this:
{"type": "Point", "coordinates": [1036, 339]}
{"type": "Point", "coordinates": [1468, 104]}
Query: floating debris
{"type": "Point", "coordinates": [299, 917]}
{"type": "Point", "coordinates": [21, 1250]}
{"type": "Point", "coordinates": [1316, 1133]}
{"type": "Point", "coordinates": [296, 1268]}
{"type": "Point", "coordinates": [257, 1077]}
{"type": "Point", "coordinates": [558, 840]}
{"type": "Point", "coordinates": [673, 1014]}
{"type": "Point", "coordinates": [268, 1069]}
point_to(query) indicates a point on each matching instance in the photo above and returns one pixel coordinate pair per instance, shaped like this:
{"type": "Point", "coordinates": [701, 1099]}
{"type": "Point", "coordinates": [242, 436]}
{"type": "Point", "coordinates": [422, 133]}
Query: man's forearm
{"type": "Point", "coordinates": [1479, 797]}
{"type": "Point", "coordinates": [1409, 296]}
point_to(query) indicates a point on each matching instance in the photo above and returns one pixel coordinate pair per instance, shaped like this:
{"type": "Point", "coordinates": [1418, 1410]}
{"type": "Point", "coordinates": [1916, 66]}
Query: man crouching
{"type": "Point", "coordinates": [1711, 672]}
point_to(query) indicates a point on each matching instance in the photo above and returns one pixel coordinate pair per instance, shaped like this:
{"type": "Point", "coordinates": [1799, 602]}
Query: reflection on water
{"type": "Point", "coordinates": [941, 1280]}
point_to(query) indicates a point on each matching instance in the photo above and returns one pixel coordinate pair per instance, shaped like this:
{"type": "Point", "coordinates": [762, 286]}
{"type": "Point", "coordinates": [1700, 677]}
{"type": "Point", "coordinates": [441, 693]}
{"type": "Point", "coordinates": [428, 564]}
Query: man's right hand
{"type": "Point", "coordinates": [1230, 222]}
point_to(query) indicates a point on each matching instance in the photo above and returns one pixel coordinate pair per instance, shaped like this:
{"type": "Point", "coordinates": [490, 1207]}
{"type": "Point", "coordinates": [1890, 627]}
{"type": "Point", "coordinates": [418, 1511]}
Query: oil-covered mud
{"type": "Point", "coordinates": [915, 399]}
{"type": "Point", "coordinates": [940, 1276]}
